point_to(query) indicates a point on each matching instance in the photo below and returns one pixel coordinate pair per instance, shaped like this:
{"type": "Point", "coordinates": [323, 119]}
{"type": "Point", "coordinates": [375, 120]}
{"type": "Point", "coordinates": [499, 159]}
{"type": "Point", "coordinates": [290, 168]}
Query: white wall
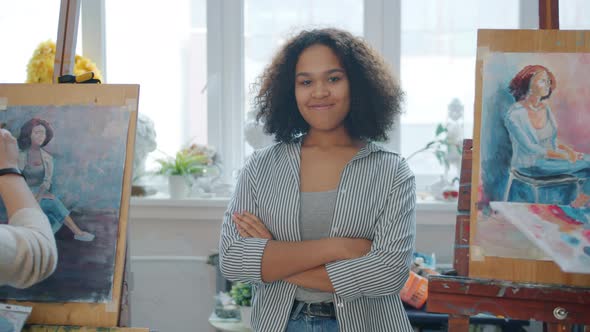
{"type": "Point", "coordinates": [172, 288]}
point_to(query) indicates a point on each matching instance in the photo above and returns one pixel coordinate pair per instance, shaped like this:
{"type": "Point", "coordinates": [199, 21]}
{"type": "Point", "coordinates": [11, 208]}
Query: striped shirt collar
{"type": "Point", "coordinates": [293, 155]}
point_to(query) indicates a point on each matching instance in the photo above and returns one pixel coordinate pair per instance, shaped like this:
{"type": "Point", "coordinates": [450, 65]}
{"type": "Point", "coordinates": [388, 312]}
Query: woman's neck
{"type": "Point", "coordinates": [327, 139]}
{"type": "Point", "coordinates": [34, 148]}
{"type": "Point", "coordinates": [534, 102]}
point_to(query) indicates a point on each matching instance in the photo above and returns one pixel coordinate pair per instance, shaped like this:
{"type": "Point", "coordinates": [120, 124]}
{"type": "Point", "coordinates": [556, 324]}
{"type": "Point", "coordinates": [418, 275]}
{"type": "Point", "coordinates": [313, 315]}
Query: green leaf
{"type": "Point", "coordinates": [440, 129]}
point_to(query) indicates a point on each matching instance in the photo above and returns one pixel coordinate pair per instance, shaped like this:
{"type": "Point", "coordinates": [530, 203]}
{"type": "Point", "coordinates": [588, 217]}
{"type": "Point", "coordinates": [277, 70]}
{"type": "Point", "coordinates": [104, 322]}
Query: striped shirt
{"type": "Point", "coordinates": [376, 200]}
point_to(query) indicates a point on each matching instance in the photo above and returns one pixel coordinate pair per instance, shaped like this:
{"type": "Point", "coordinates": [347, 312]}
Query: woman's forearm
{"type": "Point", "coordinates": [316, 278]}
{"type": "Point", "coordinates": [16, 194]}
{"type": "Point", "coordinates": [284, 259]}
{"type": "Point", "coordinates": [556, 155]}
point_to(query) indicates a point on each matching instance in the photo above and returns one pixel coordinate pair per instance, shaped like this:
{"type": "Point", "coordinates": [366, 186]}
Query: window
{"type": "Point", "coordinates": [438, 50]}
{"type": "Point", "coordinates": [260, 41]}
{"type": "Point", "coordinates": [164, 50]}
{"type": "Point", "coordinates": [196, 60]}
{"type": "Point", "coordinates": [25, 24]}
{"type": "Point", "coordinates": [573, 14]}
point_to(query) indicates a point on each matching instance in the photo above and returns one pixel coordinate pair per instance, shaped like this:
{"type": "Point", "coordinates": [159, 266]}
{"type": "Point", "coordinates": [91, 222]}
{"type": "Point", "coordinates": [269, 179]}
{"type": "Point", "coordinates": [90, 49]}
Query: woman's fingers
{"type": "Point", "coordinates": [8, 150]}
{"type": "Point", "coordinates": [255, 222]}
{"type": "Point", "coordinates": [241, 230]}
{"type": "Point", "coordinates": [246, 227]}
{"type": "Point", "coordinates": [252, 225]}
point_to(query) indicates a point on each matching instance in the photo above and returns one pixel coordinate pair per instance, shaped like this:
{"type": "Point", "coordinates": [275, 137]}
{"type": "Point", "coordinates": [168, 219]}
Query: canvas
{"type": "Point", "coordinates": [76, 172]}
{"type": "Point", "coordinates": [514, 141]}
{"type": "Point", "coordinates": [530, 138]}
{"type": "Point", "coordinates": [515, 137]}
{"type": "Point", "coordinates": [561, 231]}
{"type": "Point", "coordinates": [76, 151]}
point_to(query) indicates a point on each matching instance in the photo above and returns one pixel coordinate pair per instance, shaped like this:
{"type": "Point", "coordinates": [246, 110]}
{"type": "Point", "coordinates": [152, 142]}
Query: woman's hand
{"type": "Point", "coordinates": [250, 226]}
{"type": "Point", "coordinates": [572, 156]}
{"type": "Point", "coordinates": [8, 150]}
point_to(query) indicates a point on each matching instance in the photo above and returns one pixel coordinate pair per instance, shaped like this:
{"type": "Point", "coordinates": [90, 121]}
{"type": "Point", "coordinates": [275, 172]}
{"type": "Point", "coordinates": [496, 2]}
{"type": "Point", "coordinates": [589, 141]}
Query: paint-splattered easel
{"type": "Point", "coordinates": [560, 307]}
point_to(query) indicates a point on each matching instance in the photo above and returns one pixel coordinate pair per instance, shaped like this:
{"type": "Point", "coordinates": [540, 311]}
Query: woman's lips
{"type": "Point", "coordinates": [321, 107]}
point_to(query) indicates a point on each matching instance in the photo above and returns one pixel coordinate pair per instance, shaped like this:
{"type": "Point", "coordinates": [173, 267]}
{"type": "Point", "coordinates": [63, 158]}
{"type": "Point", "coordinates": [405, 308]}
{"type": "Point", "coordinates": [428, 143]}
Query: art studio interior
{"type": "Point", "coordinates": [159, 129]}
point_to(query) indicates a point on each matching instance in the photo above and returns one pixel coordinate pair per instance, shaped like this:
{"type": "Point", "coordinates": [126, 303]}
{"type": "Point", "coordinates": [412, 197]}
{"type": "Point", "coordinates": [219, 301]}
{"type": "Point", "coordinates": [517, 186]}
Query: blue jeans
{"type": "Point", "coordinates": [550, 167]}
{"type": "Point", "coordinates": [303, 322]}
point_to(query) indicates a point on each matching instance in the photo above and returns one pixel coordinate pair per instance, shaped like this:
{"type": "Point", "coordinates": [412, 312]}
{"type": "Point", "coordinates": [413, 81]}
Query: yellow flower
{"type": "Point", "coordinates": [40, 67]}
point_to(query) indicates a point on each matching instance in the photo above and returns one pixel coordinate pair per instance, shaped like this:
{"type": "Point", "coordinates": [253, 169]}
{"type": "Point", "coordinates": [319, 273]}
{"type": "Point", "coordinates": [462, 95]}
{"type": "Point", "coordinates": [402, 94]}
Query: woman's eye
{"type": "Point", "coordinates": [334, 79]}
{"type": "Point", "coordinates": [306, 82]}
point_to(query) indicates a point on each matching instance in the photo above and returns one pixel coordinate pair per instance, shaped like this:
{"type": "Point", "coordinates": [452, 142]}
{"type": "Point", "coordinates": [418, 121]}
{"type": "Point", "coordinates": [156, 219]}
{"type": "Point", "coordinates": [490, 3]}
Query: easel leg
{"type": "Point", "coordinates": [458, 323]}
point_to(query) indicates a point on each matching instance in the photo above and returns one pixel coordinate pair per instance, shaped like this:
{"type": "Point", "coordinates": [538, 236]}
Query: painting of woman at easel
{"type": "Point", "coordinates": [37, 166]}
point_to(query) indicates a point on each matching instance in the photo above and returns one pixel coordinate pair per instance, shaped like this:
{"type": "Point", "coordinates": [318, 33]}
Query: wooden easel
{"type": "Point", "coordinates": [113, 316]}
{"type": "Point", "coordinates": [65, 46]}
{"type": "Point", "coordinates": [461, 297]}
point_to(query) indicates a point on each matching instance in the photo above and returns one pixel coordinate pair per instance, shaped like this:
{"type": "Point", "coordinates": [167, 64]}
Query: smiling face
{"type": "Point", "coordinates": [38, 135]}
{"type": "Point", "coordinates": [322, 89]}
{"type": "Point", "coordinates": [540, 84]}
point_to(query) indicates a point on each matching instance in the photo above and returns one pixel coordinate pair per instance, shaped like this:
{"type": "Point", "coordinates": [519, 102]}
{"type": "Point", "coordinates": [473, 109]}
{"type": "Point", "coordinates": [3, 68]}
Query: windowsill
{"type": "Point", "coordinates": [164, 201]}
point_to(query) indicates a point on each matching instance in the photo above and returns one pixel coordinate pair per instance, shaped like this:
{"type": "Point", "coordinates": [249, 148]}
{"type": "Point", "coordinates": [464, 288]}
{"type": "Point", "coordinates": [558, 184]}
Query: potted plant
{"type": "Point", "coordinates": [180, 170]}
{"type": "Point", "coordinates": [241, 293]}
{"type": "Point", "coordinates": [447, 148]}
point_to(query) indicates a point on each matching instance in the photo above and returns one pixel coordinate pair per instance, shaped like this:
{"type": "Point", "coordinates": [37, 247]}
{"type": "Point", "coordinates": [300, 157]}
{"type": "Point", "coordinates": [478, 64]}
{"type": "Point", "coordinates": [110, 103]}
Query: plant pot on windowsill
{"type": "Point", "coordinates": [178, 186]}
{"type": "Point", "coordinates": [245, 314]}
{"type": "Point", "coordinates": [180, 171]}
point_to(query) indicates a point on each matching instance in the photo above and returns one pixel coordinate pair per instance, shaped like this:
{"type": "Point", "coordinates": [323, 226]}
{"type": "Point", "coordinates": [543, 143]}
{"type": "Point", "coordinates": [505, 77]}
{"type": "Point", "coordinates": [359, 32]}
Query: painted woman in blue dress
{"type": "Point", "coordinates": [37, 165]}
{"type": "Point", "coordinates": [536, 148]}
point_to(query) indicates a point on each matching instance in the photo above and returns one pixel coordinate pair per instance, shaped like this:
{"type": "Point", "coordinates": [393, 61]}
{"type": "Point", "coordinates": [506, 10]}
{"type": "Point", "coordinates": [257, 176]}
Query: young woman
{"type": "Point", "coordinates": [37, 166]}
{"type": "Point", "coordinates": [323, 222]}
{"type": "Point", "coordinates": [27, 247]}
{"type": "Point", "coordinates": [536, 148]}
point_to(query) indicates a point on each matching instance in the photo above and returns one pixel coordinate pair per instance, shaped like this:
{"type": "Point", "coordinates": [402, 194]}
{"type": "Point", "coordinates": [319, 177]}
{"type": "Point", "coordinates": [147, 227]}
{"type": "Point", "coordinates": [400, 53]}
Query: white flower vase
{"type": "Point", "coordinates": [178, 186]}
{"type": "Point", "coordinates": [245, 313]}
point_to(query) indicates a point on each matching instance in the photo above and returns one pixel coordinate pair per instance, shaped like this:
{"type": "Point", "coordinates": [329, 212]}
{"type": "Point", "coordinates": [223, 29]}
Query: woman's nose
{"type": "Point", "coordinates": [320, 91]}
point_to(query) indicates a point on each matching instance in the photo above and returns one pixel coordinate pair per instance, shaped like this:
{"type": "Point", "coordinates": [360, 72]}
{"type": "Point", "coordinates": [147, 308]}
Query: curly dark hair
{"type": "Point", "coordinates": [375, 96]}
{"type": "Point", "coordinates": [24, 137]}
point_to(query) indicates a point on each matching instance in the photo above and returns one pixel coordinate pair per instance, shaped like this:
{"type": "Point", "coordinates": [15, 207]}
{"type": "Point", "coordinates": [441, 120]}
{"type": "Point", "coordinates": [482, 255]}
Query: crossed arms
{"type": "Point", "coordinates": [351, 268]}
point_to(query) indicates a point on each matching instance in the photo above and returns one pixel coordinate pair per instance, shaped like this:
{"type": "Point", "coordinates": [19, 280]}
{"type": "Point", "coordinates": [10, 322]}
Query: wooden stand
{"type": "Point", "coordinates": [559, 307]}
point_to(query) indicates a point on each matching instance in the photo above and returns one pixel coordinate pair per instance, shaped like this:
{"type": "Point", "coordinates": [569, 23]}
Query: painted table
{"type": "Point", "coordinates": [560, 307]}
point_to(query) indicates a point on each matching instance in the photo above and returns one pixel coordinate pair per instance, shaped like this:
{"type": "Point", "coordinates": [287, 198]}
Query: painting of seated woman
{"type": "Point", "coordinates": [37, 166]}
{"type": "Point", "coordinates": [73, 158]}
{"type": "Point", "coordinates": [533, 135]}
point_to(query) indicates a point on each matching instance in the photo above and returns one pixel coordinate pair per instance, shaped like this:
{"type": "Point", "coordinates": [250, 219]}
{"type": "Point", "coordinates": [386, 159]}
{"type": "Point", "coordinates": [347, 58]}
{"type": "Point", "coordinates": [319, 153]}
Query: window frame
{"type": "Point", "coordinates": [225, 63]}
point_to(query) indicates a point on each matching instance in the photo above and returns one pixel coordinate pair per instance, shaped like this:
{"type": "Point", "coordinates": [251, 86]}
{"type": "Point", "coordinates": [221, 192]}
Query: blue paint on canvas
{"type": "Point", "coordinates": [567, 104]}
{"type": "Point", "coordinates": [87, 153]}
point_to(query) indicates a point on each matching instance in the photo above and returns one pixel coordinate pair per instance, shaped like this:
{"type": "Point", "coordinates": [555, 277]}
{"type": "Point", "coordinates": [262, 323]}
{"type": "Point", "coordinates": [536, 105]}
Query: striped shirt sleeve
{"type": "Point", "coordinates": [241, 258]}
{"type": "Point", "coordinates": [385, 269]}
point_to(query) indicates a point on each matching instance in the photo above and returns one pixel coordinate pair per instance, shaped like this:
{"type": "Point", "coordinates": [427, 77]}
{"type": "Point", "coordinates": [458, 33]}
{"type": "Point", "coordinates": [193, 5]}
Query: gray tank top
{"type": "Point", "coordinates": [317, 211]}
{"type": "Point", "coordinates": [34, 174]}
{"type": "Point", "coordinates": [545, 135]}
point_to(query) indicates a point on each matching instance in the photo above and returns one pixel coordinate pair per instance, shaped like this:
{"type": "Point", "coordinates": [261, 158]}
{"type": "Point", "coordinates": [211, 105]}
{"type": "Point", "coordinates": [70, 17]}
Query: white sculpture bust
{"type": "Point", "coordinates": [145, 142]}
{"type": "Point", "coordinates": [254, 132]}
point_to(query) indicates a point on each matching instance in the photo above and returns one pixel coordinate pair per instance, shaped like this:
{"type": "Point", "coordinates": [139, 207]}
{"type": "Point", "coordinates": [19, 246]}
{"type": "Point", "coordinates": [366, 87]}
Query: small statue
{"type": "Point", "coordinates": [254, 132]}
{"type": "Point", "coordinates": [454, 127]}
{"type": "Point", "coordinates": [145, 142]}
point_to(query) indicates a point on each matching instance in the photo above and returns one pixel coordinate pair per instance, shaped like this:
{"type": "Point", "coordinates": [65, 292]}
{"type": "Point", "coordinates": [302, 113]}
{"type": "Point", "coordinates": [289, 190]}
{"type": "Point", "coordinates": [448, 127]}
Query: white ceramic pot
{"type": "Point", "coordinates": [178, 186]}
{"type": "Point", "coordinates": [245, 313]}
